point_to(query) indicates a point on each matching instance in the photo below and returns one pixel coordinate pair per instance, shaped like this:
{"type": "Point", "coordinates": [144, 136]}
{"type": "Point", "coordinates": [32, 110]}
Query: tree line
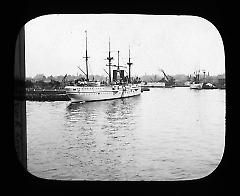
{"type": "Point", "coordinates": [40, 81]}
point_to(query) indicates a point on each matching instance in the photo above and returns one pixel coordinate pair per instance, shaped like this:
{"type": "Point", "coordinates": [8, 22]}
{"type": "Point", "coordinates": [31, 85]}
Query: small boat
{"type": "Point", "coordinates": [207, 85]}
{"type": "Point", "coordinates": [122, 87]}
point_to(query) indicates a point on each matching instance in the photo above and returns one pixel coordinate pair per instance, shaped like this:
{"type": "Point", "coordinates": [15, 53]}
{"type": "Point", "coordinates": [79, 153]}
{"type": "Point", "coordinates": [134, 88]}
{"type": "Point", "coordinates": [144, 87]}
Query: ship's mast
{"type": "Point", "coordinates": [204, 76]}
{"type": "Point", "coordinates": [86, 57]}
{"type": "Point", "coordinates": [118, 59]}
{"type": "Point", "coordinates": [129, 64]}
{"type": "Point", "coordinates": [118, 69]}
{"type": "Point", "coordinates": [109, 58]}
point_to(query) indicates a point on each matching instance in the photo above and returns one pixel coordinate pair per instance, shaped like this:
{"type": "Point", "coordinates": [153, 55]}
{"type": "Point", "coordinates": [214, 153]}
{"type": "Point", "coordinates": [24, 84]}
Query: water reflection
{"type": "Point", "coordinates": [112, 110]}
{"type": "Point", "coordinates": [161, 135]}
{"type": "Point", "coordinates": [101, 135]}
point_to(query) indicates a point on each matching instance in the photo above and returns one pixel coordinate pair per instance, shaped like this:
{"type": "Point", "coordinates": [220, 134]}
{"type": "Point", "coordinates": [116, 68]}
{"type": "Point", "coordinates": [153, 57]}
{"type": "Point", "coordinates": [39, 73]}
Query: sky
{"type": "Point", "coordinates": [55, 44]}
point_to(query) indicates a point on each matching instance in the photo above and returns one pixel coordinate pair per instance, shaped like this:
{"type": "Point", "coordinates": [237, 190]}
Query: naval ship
{"type": "Point", "coordinates": [117, 87]}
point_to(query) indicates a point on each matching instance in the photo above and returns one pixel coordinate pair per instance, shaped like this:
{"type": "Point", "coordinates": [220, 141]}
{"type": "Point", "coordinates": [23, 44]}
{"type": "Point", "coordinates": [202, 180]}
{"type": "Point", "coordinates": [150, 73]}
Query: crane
{"type": "Point", "coordinates": [164, 75]}
{"type": "Point", "coordinates": [170, 81]}
{"type": "Point", "coordinates": [64, 78]}
{"type": "Point", "coordinates": [63, 81]}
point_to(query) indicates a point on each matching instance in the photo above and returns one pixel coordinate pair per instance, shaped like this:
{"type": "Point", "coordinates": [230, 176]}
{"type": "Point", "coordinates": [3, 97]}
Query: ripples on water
{"type": "Point", "coordinates": [163, 134]}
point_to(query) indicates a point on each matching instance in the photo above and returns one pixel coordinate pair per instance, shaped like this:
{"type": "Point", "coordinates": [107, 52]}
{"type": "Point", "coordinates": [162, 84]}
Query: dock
{"type": "Point", "coordinates": [47, 95]}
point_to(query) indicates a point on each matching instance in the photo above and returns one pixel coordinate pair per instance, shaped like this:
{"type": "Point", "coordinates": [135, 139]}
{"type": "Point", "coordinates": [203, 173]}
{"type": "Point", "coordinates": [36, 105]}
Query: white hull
{"type": "Point", "coordinates": [84, 94]}
{"type": "Point", "coordinates": [196, 86]}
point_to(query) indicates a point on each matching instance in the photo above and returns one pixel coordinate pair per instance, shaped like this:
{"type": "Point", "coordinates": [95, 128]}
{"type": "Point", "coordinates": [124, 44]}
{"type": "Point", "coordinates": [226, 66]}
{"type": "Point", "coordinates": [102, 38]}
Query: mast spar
{"type": "Point", "coordinates": [118, 59]}
{"type": "Point", "coordinates": [129, 64]}
{"type": "Point", "coordinates": [109, 58]}
{"type": "Point", "coordinates": [86, 57]}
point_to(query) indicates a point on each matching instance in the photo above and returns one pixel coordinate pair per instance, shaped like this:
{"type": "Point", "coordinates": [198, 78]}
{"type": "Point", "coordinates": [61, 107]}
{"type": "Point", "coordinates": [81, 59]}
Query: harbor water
{"type": "Point", "coordinates": [163, 134]}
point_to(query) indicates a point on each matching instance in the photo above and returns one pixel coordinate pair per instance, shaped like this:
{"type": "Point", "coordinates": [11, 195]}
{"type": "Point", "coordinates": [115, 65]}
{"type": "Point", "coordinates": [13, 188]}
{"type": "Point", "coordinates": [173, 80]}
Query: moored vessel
{"type": "Point", "coordinates": [203, 83]}
{"type": "Point", "coordinates": [196, 84]}
{"type": "Point", "coordinates": [120, 87]}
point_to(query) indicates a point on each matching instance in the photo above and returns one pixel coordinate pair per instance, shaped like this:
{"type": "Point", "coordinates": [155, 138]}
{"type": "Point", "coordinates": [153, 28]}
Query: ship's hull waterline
{"type": "Point", "coordinates": [86, 94]}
